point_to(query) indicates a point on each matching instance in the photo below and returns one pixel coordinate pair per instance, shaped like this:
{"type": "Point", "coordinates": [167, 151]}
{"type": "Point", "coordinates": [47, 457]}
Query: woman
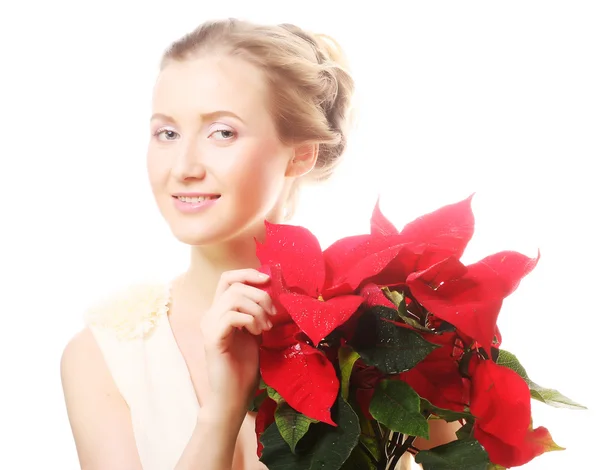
{"type": "Point", "coordinates": [161, 376]}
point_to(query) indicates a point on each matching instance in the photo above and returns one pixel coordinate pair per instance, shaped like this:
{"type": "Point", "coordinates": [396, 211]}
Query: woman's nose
{"type": "Point", "coordinates": [189, 163]}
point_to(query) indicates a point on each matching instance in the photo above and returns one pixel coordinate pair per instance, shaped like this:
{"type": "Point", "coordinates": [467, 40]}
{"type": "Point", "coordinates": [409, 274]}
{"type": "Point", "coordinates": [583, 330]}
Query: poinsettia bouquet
{"type": "Point", "coordinates": [380, 334]}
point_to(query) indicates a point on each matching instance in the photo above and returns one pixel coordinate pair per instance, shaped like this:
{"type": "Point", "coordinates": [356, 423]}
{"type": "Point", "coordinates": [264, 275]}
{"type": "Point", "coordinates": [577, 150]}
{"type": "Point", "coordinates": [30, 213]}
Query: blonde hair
{"type": "Point", "coordinates": [311, 89]}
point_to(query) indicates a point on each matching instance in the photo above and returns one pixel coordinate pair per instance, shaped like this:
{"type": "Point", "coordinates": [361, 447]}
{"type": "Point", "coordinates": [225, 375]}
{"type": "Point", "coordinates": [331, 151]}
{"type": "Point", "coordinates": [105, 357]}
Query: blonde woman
{"type": "Point", "coordinates": [160, 378]}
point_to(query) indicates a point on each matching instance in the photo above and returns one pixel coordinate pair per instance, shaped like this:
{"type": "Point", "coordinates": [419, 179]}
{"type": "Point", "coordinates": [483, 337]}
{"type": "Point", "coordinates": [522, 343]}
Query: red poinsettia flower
{"type": "Point", "coordinates": [470, 297]}
{"type": "Point", "coordinates": [501, 404]}
{"type": "Point", "coordinates": [437, 377]}
{"type": "Point", "coordinates": [387, 256]}
{"type": "Point", "coordinates": [301, 373]}
{"type": "Point", "coordinates": [322, 285]}
{"type": "Point", "coordinates": [425, 241]}
{"type": "Point", "coordinates": [443, 227]}
{"type": "Point", "coordinates": [307, 299]}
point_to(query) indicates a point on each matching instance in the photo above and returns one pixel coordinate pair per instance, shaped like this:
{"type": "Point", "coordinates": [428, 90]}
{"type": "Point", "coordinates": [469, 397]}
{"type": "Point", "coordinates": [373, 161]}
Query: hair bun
{"type": "Point", "coordinates": [332, 50]}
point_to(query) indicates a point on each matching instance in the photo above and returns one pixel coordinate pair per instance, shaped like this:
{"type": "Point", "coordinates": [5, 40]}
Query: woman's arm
{"type": "Point", "coordinates": [212, 444]}
{"type": "Point", "coordinates": [101, 422]}
{"type": "Point", "coordinates": [98, 414]}
{"type": "Point", "coordinates": [440, 432]}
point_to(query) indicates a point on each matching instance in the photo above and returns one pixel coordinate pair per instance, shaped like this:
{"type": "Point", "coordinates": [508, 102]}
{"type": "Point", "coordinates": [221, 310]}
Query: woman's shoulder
{"type": "Point", "coordinates": [131, 312]}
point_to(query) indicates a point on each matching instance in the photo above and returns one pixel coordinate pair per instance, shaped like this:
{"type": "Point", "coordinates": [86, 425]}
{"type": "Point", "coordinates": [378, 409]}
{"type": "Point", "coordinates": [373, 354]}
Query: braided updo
{"type": "Point", "coordinates": [310, 85]}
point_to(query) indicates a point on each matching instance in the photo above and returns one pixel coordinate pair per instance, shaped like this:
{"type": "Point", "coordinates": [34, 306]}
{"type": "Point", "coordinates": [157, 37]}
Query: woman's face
{"type": "Point", "coordinates": [215, 163]}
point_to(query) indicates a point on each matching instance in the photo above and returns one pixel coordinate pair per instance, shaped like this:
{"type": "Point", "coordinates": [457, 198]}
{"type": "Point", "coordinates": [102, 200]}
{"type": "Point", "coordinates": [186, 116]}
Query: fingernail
{"type": "Point", "coordinates": [269, 324]}
{"type": "Point", "coordinates": [273, 311]}
{"type": "Point", "coordinates": [263, 276]}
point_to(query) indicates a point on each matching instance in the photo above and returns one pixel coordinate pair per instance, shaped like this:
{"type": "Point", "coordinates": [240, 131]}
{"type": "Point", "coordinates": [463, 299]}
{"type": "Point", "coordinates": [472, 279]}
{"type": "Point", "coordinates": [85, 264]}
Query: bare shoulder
{"type": "Point", "coordinates": [98, 414]}
{"type": "Point", "coordinates": [78, 350]}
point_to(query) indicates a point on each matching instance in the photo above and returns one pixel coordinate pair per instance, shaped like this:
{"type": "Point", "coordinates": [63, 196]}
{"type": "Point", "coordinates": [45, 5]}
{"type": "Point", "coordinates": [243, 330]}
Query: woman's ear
{"type": "Point", "coordinates": [303, 160]}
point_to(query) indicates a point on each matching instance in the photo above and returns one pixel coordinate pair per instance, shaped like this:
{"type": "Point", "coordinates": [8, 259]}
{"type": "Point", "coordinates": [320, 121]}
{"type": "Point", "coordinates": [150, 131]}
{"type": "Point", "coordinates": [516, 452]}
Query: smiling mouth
{"type": "Point", "coordinates": [196, 199]}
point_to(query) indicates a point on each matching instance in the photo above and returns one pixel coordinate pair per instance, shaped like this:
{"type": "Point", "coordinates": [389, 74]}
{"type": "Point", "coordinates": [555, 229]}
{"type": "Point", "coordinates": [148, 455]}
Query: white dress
{"type": "Point", "coordinates": [142, 355]}
{"type": "Point", "coordinates": [135, 336]}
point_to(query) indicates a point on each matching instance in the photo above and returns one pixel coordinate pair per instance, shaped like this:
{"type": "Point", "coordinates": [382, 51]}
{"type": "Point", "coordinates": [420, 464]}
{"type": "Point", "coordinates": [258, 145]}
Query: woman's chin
{"type": "Point", "coordinates": [196, 237]}
{"type": "Point", "coordinates": [215, 235]}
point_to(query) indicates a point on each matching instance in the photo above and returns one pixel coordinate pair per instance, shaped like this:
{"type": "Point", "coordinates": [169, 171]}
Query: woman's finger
{"type": "Point", "coordinates": [242, 303]}
{"type": "Point", "coordinates": [228, 278]}
{"type": "Point", "coordinates": [257, 295]}
{"type": "Point", "coordinates": [233, 319]}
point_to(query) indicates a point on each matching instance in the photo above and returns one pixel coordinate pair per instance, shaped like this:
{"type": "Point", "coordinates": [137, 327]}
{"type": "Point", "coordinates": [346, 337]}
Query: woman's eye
{"type": "Point", "coordinates": [225, 134]}
{"type": "Point", "coordinates": [168, 133]}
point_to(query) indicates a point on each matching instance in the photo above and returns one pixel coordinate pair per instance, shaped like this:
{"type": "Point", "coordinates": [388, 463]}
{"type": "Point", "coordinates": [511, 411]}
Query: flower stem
{"type": "Point", "coordinates": [368, 452]}
{"type": "Point", "coordinates": [407, 444]}
{"type": "Point", "coordinates": [399, 451]}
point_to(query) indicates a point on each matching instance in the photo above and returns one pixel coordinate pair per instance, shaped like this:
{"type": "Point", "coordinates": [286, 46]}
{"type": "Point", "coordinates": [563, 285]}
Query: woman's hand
{"type": "Point", "coordinates": [230, 328]}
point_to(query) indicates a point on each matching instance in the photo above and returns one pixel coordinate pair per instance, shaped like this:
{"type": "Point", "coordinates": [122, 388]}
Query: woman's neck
{"type": "Point", "coordinates": [195, 289]}
{"type": "Point", "coordinates": [197, 286]}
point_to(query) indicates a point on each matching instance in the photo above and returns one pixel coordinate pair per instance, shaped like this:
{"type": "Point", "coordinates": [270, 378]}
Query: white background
{"type": "Point", "coordinates": [497, 98]}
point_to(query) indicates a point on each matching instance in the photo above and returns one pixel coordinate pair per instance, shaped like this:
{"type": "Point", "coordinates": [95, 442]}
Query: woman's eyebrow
{"type": "Point", "coordinates": [204, 116]}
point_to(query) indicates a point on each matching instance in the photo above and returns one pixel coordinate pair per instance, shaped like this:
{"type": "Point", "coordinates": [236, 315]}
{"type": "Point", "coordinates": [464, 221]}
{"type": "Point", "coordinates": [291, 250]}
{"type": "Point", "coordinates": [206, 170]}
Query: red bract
{"type": "Point", "coordinates": [282, 336]}
{"type": "Point", "coordinates": [306, 276]}
{"type": "Point", "coordinates": [501, 404]}
{"type": "Point", "coordinates": [318, 318]}
{"type": "Point", "coordinates": [448, 228]}
{"type": "Point", "coordinates": [300, 373]}
{"type": "Point", "coordinates": [354, 260]}
{"type": "Point", "coordinates": [535, 443]}
{"type": "Point", "coordinates": [303, 377]}
{"type": "Point", "coordinates": [440, 383]}
{"type": "Point", "coordinates": [470, 297]}
{"type": "Point", "coordinates": [374, 296]}
{"type": "Point", "coordinates": [437, 377]}
{"type": "Point", "coordinates": [275, 287]}
{"type": "Point", "coordinates": [264, 418]}
{"type": "Point", "coordinates": [424, 241]}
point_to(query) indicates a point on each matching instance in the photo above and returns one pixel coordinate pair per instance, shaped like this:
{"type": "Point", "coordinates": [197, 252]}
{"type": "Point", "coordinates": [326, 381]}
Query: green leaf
{"type": "Point", "coordinates": [347, 357]}
{"type": "Point", "coordinates": [257, 401]}
{"type": "Point", "coordinates": [335, 445]}
{"type": "Point", "coordinates": [390, 348]}
{"type": "Point", "coordinates": [397, 406]}
{"type": "Point", "coordinates": [394, 296]}
{"type": "Point", "coordinates": [291, 424]}
{"type": "Point", "coordinates": [273, 395]}
{"type": "Point", "coordinates": [399, 300]}
{"type": "Point", "coordinates": [464, 455]}
{"type": "Point", "coordinates": [415, 324]}
{"type": "Point", "coordinates": [368, 438]}
{"type": "Point", "coordinates": [446, 415]}
{"type": "Point", "coordinates": [324, 447]}
{"type": "Point", "coordinates": [359, 460]}
{"type": "Point", "coordinates": [545, 395]}
{"type": "Point", "coordinates": [465, 432]}
{"type": "Point", "coordinates": [410, 320]}
{"type": "Point", "coordinates": [277, 454]}
{"type": "Point", "coordinates": [370, 445]}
